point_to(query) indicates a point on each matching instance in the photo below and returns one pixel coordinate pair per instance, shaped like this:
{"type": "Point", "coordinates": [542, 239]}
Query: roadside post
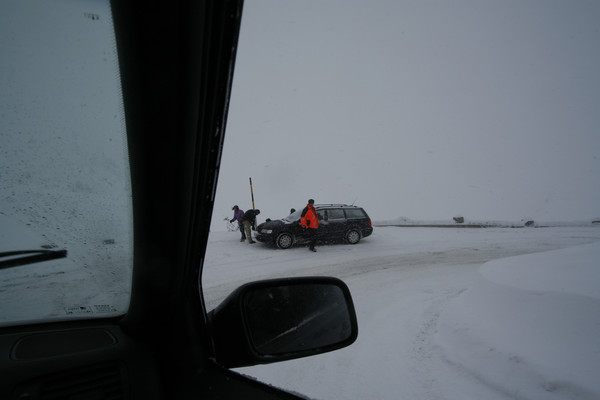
{"type": "Point", "coordinates": [251, 193]}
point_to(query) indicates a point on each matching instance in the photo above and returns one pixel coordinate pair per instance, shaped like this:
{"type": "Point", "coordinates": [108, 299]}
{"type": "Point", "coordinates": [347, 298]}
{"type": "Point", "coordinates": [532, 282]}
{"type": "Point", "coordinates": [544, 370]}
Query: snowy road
{"type": "Point", "coordinates": [401, 279]}
{"type": "Point", "coordinates": [229, 263]}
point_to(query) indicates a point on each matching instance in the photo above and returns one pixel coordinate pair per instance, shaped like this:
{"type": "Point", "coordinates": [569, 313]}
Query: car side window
{"type": "Point", "coordinates": [355, 213]}
{"type": "Point", "coordinates": [335, 214]}
{"type": "Point", "coordinates": [321, 215]}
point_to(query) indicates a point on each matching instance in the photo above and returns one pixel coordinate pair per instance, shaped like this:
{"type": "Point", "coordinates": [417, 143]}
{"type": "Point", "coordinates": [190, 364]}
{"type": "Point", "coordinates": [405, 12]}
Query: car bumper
{"type": "Point", "coordinates": [264, 238]}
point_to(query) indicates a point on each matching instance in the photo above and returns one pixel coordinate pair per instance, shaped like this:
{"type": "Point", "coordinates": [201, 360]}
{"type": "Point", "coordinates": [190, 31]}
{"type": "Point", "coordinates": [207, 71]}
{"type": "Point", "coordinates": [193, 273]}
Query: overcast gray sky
{"type": "Point", "coordinates": [418, 109]}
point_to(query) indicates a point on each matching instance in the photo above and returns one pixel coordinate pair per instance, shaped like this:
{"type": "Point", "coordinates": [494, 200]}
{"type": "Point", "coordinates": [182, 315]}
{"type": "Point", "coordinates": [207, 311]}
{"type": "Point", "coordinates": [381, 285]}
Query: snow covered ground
{"type": "Point", "coordinates": [443, 313]}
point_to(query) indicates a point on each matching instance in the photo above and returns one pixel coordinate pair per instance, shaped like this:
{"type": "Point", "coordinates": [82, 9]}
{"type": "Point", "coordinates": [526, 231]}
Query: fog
{"type": "Point", "coordinates": [426, 110]}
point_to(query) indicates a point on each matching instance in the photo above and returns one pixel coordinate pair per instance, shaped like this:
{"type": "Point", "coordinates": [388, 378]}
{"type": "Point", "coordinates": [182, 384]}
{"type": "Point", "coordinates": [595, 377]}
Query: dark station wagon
{"type": "Point", "coordinates": [337, 222]}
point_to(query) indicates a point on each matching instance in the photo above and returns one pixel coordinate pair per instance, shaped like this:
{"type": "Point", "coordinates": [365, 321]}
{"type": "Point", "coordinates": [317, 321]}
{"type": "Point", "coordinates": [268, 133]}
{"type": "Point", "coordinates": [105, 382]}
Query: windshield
{"type": "Point", "coordinates": [66, 197]}
{"type": "Point", "coordinates": [295, 216]}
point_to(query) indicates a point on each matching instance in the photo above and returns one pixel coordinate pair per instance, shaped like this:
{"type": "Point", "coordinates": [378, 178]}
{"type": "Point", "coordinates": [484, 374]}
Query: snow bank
{"type": "Point", "coordinates": [478, 223]}
{"type": "Point", "coordinates": [529, 327]}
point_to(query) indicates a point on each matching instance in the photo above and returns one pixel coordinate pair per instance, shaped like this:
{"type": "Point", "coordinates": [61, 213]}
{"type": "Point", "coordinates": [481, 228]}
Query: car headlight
{"type": "Point", "coordinates": [266, 231]}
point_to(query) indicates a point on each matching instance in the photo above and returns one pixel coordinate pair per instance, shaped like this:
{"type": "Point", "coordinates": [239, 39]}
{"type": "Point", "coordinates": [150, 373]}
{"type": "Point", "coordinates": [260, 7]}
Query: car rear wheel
{"type": "Point", "coordinates": [353, 236]}
{"type": "Point", "coordinates": [284, 240]}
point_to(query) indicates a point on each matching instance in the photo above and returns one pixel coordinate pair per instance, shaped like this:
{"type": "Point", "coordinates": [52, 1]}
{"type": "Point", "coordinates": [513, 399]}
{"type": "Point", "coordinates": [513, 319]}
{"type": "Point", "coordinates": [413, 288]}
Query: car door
{"type": "Point", "coordinates": [336, 223]}
{"type": "Point", "coordinates": [356, 217]}
{"type": "Point", "coordinates": [323, 228]}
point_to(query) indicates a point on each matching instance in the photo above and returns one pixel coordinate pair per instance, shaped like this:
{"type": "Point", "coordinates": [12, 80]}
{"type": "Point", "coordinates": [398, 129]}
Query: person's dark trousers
{"type": "Point", "coordinates": [312, 234]}
{"type": "Point", "coordinates": [241, 226]}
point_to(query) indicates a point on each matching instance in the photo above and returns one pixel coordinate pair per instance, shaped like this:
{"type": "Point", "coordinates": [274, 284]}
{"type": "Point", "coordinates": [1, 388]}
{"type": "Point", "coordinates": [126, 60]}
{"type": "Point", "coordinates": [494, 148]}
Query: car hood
{"type": "Point", "coordinates": [275, 223]}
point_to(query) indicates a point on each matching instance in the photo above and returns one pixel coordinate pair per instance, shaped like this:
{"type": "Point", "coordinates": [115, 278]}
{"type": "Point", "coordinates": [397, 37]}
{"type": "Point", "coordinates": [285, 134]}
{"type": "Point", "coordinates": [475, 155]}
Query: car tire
{"type": "Point", "coordinates": [284, 240]}
{"type": "Point", "coordinates": [353, 236]}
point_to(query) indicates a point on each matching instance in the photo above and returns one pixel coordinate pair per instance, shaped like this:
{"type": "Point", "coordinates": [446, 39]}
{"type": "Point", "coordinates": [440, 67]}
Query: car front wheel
{"type": "Point", "coordinates": [284, 241]}
{"type": "Point", "coordinates": [352, 236]}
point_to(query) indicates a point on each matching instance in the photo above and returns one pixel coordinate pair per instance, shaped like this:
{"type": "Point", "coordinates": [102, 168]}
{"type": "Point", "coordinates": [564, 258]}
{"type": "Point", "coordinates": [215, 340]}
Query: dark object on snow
{"type": "Point", "coordinates": [459, 220]}
{"type": "Point", "coordinates": [529, 223]}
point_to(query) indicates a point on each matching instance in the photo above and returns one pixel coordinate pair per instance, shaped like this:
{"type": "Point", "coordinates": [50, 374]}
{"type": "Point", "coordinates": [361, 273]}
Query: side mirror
{"type": "Point", "coordinates": [282, 319]}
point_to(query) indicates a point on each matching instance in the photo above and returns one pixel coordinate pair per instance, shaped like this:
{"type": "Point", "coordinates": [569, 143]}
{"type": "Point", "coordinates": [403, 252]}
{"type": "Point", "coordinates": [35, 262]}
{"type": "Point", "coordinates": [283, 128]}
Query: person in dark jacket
{"type": "Point", "coordinates": [310, 222]}
{"type": "Point", "coordinates": [237, 216]}
{"type": "Point", "coordinates": [249, 221]}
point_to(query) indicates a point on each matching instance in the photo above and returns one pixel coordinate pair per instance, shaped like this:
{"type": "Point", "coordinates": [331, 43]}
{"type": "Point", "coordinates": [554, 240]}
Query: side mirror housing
{"type": "Point", "coordinates": [282, 319]}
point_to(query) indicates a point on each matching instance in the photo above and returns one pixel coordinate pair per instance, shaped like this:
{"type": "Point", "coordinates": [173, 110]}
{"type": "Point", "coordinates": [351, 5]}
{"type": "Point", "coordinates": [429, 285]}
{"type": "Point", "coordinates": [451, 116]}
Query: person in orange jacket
{"type": "Point", "coordinates": [310, 222]}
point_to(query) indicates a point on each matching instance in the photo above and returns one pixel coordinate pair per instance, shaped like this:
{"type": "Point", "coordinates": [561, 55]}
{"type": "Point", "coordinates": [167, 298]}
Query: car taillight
{"type": "Point", "coordinates": [370, 223]}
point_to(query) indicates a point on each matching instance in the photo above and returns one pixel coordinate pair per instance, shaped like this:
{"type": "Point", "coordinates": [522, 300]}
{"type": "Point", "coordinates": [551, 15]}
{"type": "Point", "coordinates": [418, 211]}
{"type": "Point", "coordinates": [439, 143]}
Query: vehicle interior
{"type": "Point", "coordinates": [176, 62]}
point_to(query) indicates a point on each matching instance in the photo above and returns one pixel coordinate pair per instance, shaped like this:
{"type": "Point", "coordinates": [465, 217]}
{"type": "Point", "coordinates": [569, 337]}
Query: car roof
{"type": "Point", "coordinates": [335, 206]}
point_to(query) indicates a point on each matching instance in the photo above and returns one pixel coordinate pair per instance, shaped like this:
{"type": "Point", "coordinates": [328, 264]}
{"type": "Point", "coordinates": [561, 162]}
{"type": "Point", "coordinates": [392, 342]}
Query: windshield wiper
{"type": "Point", "coordinates": [29, 257]}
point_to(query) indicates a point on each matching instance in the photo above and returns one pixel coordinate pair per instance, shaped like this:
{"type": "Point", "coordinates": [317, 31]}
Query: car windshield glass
{"type": "Point", "coordinates": [295, 216]}
{"type": "Point", "coordinates": [65, 209]}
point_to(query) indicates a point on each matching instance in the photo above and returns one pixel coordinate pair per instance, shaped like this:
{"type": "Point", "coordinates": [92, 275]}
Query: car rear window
{"type": "Point", "coordinates": [355, 213]}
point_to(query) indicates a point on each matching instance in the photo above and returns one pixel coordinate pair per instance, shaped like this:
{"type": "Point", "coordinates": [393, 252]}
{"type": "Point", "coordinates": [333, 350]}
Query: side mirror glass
{"type": "Point", "coordinates": [291, 317]}
{"type": "Point", "coordinates": [282, 319]}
